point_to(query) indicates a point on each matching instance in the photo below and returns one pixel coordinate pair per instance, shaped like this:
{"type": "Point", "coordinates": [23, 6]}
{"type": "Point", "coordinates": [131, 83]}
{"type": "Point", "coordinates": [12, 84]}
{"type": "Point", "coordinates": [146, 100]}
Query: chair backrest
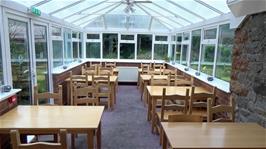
{"type": "Point", "coordinates": [47, 96]}
{"type": "Point", "coordinates": [158, 66]}
{"type": "Point", "coordinates": [183, 82]}
{"type": "Point", "coordinates": [221, 109]}
{"type": "Point", "coordinates": [105, 71]}
{"type": "Point", "coordinates": [110, 65]}
{"type": "Point", "coordinates": [185, 118]}
{"type": "Point", "coordinates": [89, 70]}
{"type": "Point", "coordinates": [199, 100]}
{"type": "Point", "coordinates": [159, 81]}
{"type": "Point", "coordinates": [85, 95]}
{"type": "Point", "coordinates": [103, 85]}
{"type": "Point", "coordinates": [169, 103]}
{"type": "Point", "coordinates": [145, 68]}
{"type": "Point", "coordinates": [16, 142]}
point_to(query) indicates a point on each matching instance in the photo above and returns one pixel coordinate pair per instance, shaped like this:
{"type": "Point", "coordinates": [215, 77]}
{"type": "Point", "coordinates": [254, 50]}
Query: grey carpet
{"type": "Point", "coordinates": [126, 127]}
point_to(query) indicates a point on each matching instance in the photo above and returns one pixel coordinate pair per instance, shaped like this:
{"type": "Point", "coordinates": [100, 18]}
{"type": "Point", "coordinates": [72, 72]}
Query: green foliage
{"type": "Point", "coordinates": [144, 54]}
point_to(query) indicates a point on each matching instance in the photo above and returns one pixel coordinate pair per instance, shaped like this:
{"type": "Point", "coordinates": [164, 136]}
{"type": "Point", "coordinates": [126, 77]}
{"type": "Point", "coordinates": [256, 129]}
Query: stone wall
{"type": "Point", "coordinates": [248, 79]}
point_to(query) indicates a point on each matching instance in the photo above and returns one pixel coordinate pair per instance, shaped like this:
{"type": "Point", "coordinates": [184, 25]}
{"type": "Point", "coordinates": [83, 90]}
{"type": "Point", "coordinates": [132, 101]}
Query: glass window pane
{"type": "Point", "coordinates": [1, 65]}
{"type": "Point", "coordinates": [56, 31]}
{"type": "Point", "coordinates": [185, 36]}
{"type": "Point", "coordinates": [93, 50]}
{"type": "Point", "coordinates": [75, 50]}
{"type": "Point", "coordinates": [57, 53]}
{"type": "Point", "coordinates": [224, 53]}
{"type": "Point", "coordinates": [68, 47]}
{"type": "Point", "coordinates": [184, 55]}
{"type": "Point", "coordinates": [80, 50]}
{"type": "Point", "coordinates": [161, 38]}
{"type": "Point", "coordinates": [127, 51]}
{"type": "Point", "coordinates": [54, 5]}
{"type": "Point", "coordinates": [160, 51]}
{"type": "Point", "coordinates": [144, 46]}
{"type": "Point", "coordinates": [110, 42]}
{"type": "Point", "coordinates": [127, 37]}
{"type": "Point", "coordinates": [172, 52]}
{"type": "Point", "coordinates": [93, 36]}
{"type": "Point", "coordinates": [178, 53]}
{"type": "Point", "coordinates": [210, 34]}
{"type": "Point", "coordinates": [195, 49]}
{"type": "Point", "coordinates": [179, 37]}
{"type": "Point", "coordinates": [207, 59]}
{"type": "Point", "coordinates": [74, 35]}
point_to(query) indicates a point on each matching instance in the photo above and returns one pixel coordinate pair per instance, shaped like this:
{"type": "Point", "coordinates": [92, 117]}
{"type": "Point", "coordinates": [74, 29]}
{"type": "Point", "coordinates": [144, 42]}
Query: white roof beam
{"type": "Point", "coordinates": [209, 6]}
{"type": "Point", "coordinates": [104, 21]}
{"type": "Point", "coordinates": [181, 7]}
{"type": "Point", "coordinates": [87, 8]}
{"type": "Point", "coordinates": [41, 3]}
{"type": "Point", "coordinates": [176, 15]}
{"type": "Point", "coordinates": [68, 6]}
{"type": "Point", "coordinates": [162, 22]}
{"type": "Point", "coordinates": [150, 23]}
{"type": "Point", "coordinates": [160, 14]}
{"type": "Point", "coordinates": [109, 10]}
{"type": "Point", "coordinates": [97, 11]}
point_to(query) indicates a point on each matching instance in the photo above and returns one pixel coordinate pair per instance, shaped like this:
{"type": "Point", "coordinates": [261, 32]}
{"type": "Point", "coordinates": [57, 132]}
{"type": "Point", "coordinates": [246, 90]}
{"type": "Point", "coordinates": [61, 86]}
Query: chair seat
{"type": "Point", "coordinates": [167, 113]}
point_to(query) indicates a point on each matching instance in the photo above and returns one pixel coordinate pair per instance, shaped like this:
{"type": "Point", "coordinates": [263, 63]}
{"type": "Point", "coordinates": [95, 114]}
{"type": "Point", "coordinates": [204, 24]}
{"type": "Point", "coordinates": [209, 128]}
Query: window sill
{"type": "Point", "coordinates": [220, 84]}
{"type": "Point", "coordinates": [6, 95]}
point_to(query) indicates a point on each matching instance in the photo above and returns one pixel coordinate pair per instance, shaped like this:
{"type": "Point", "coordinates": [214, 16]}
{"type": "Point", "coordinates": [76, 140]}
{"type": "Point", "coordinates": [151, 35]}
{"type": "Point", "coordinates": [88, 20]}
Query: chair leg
{"type": "Point", "coordinates": [161, 136]}
{"type": "Point", "coordinates": [73, 136]}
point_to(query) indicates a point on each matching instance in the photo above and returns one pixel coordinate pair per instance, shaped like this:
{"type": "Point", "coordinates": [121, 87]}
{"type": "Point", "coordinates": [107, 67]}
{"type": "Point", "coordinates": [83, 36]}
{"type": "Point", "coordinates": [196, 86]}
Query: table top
{"type": "Point", "coordinates": [215, 135]}
{"type": "Point", "coordinates": [148, 77]}
{"type": "Point", "coordinates": [112, 78]}
{"type": "Point", "coordinates": [162, 70]}
{"type": "Point", "coordinates": [180, 90]}
{"type": "Point", "coordinates": [52, 117]}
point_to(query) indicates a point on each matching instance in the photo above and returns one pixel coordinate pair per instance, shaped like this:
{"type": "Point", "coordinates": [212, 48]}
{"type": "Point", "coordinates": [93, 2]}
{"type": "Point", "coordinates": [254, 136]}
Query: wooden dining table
{"type": "Point", "coordinates": [113, 83]}
{"type": "Point", "coordinates": [156, 92]}
{"type": "Point", "coordinates": [182, 135]}
{"type": "Point", "coordinates": [50, 119]}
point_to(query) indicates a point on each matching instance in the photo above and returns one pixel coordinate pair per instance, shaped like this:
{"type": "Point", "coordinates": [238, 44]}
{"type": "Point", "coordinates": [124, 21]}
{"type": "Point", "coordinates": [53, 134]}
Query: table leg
{"type": "Point", "coordinates": [112, 95]}
{"type": "Point", "coordinates": [164, 141]}
{"type": "Point", "coordinates": [68, 92]}
{"type": "Point", "coordinates": [90, 139]}
{"type": "Point", "coordinates": [99, 137]}
{"type": "Point", "coordinates": [149, 108]}
{"type": "Point", "coordinates": [153, 112]}
{"type": "Point", "coordinates": [73, 136]}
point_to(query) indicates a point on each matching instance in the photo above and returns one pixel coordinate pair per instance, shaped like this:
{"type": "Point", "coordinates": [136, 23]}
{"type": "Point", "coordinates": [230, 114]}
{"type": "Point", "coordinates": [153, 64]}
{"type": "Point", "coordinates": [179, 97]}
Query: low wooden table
{"type": "Point", "coordinates": [50, 119]}
{"type": "Point", "coordinates": [213, 135]}
{"type": "Point", "coordinates": [113, 82]}
{"type": "Point", "coordinates": [156, 92]}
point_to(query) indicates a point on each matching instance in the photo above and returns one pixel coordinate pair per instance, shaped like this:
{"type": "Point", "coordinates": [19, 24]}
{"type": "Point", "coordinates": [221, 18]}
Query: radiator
{"type": "Point", "coordinates": [128, 74]}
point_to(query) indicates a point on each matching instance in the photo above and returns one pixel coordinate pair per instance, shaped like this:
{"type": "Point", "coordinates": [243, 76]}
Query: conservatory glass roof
{"type": "Point", "coordinates": [127, 14]}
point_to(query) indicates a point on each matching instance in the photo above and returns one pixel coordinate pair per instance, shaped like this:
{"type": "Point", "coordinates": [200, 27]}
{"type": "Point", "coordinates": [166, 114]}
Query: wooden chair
{"type": "Point", "coordinates": [198, 102]}
{"type": "Point", "coordinates": [89, 70]}
{"type": "Point", "coordinates": [58, 100]}
{"type": "Point", "coordinates": [104, 89]}
{"type": "Point", "coordinates": [110, 65]}
{"type": "Point", "coordinates": [80, 80]}
{"type": "Point", "coordinates": [185, 118]}
{"type": "Point", "coordinates": [145, 68]}
{"type": "Point", "coordinates": [16, 143]}
{"type": "Point", "coordinates": [85, 95]}
{"type": "Point", "coordinates": [158, 66]}
{"type": "Point", "coordinates": [183, 82]}
{"type": "Point", "coordinates": [221, 109]}
{"type": "Point", "coordinates": [105, 71]}
{"type": "Point", "coordinates": [95, 64]}
{"type": "Point", "coordinates": [159, 81]}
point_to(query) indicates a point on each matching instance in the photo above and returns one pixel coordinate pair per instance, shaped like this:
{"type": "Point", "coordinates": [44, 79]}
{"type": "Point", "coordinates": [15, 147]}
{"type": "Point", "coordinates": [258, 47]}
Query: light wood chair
{"type": "Point", "coordinates": [110, 65]}
{"type": "Point", "coordinates": [96, 64]}
{"type": "Point", "coordinates": [228, 110]}
{"type": "Point", "coordinates": [105, 71]}
{"type": "Point", "coordinates": [159, 81]}
{"type": "Point", "coordinates": [16, 142]}
{"type": "Point", "coordinates": [158, 66]}
{"type": "Point", "coordinates": [183, 82]}
{"type": "Point", "coordinates": [57, 97]}
{"type": "Point", "coordinates": [104, 89]}
{"type": "Point", "coordinates": [85, 95]}
{"type": "Point", "coordinates": [185, 118]}
{"type": "Point", "coordinates": [145, 68]}
{"type": "Point", "coordinates": [89, 70]}
{"type": "Point", "coordinates": [198, 102]}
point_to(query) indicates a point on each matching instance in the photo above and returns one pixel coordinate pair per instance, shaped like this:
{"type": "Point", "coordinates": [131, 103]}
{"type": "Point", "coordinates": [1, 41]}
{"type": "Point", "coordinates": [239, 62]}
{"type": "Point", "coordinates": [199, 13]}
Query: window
{"type": "Point", "coordinates": [179, 37]}
{"type": "Point", "coordinates": [172, 52]}
{"type": "Point", "coordinates": [127, 50]}
{"type": "Point", "coordinates": [144, 46]}
{"type": "Point", "coordinates": [1, 65]}
{"type": "Point", "coordinates": [56, 31]}
{"type": "Point", "coordinates": [225, 46]}
{"type": "Point", "coordinates": [57, 53]}
{"type": "Point", "coordinates": [93, 50]}
{"type": "Point", "coordinates": [185, 36]}
{"type": "Point", "coordinates": [161, 38]}
{"type": "Point", "coordinates": [178, 53]}
{"type": "Point", "coordinates": [207, 59]}
{"type": "Point", "coordinates": [127, 37]}
{"type": "Point", "coordinates": [68, 46]}
{"type": "Point", "coordinates": [184, 55]}
{"type": "Point", "coordinates": [210, 34]}
{"type": "Point", "coordinates": [195, 49]}
{"type": "Point", "coordinates": [74, 35]}
{"type": "Point", "coordinates": [110, 42]}
{"type": "Point", "coordinates": [75, 50]}
{"type": "Point", "coordinates": [161, 51]}
{"type": "Point", "coordinates": [76, 45]}
{"type": "Point", "coordinates": [93, 36]}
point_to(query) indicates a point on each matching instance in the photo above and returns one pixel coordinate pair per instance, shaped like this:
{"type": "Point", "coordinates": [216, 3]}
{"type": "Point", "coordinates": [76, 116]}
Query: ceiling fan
{"type": "Point", "coordinates": [130, 4]}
